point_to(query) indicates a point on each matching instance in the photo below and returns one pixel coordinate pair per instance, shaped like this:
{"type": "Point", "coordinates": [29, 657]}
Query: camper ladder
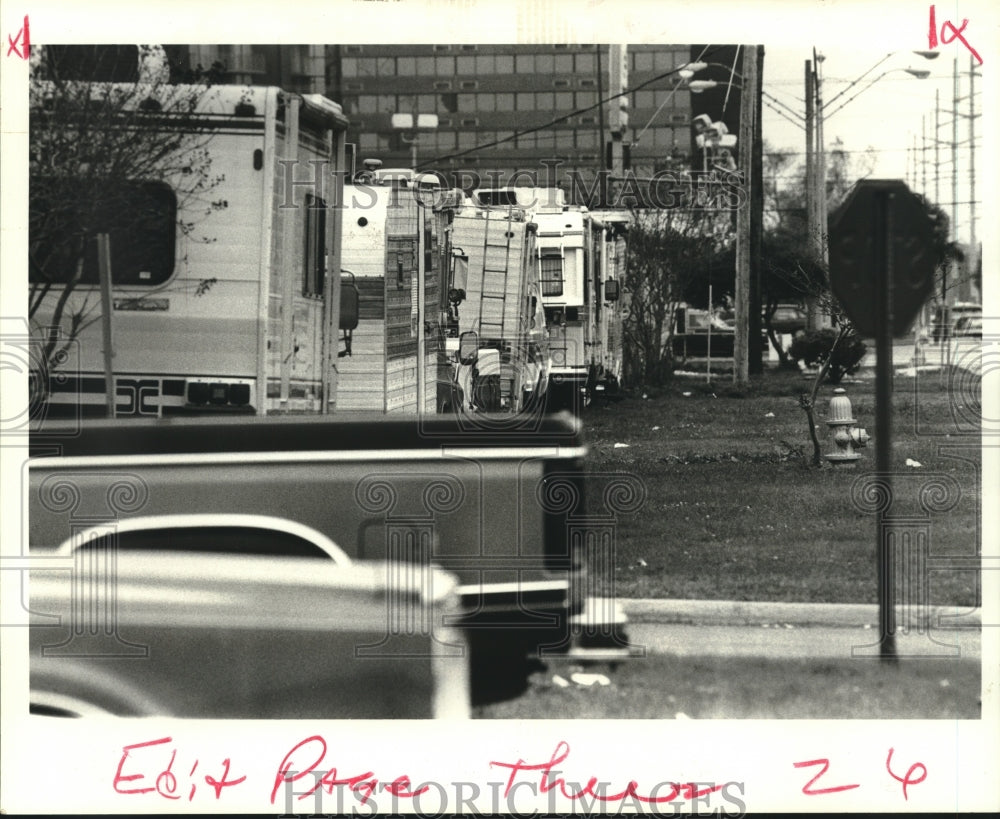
{"type": "Point", "coordinates": [496, 271]}
{"type": "Point", "coordinates": [493, 298]}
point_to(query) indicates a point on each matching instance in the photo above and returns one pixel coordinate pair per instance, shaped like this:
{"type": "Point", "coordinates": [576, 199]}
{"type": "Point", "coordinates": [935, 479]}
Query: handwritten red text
{"type": "Point", "coordinates": [20, 45]}
{"type": "Point", "coordinates": [906, 780]}
{"type": "Point", "coordinates": [364, 784]}
{"type": "Point", "coordinates": [808, 788]}
{"type": "Point", "coordinates": [687, 790]}
{"type": "Point", "coordinates": [165, 782]}
{"type": "Point", "coordinates": [949, 33]}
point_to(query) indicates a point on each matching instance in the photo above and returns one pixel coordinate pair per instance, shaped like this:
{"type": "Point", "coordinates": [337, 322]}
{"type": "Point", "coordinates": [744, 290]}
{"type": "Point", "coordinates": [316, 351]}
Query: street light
{"type": "Point", "coordinates": [413, 124]}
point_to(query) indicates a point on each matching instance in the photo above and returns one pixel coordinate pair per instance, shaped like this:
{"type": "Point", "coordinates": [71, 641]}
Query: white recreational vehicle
{"type": "Point", "coordinates": [581, 262]}
{"type": "Point", "coordinates": [495, 338]}
{"type": "Point", "coordinates": [390, 240]}
{"type": "Point", "coordinates": [237, 314]}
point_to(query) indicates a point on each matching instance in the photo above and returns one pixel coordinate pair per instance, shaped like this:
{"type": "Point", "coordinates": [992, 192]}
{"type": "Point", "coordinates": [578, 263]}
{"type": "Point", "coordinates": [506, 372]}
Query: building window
{"type": "Point", "coordinates": [349, 67]}
{"type": "Point", "coordinates": [642, 61]}
{"type": "Point", "coordinates": [551, 272]}
{"type": "Point", "coordinates": [406, 66]}
{"type": "Point", "coordinates": [545, 101]}
{"type": "Point", "coordinates": [564, 101]}
{"type": "Point", "coordinates": [486, 102]}
{"type": "Point", "coordinates": [467, 139]}
{"type": "Point", "coordinates": [564, 64]}
{"type": "Point", "coordinates": [465, 65]}
{"type": "Point", "coordinates": [543, 63]}
{"type": "Point", "coordinates": [444, 66]}
{"type": "Point", "coordinates": [506, 140]}
{"type": "Point", "coordinates": [525, 102]}
{"type": "Point", "coordinates": [315, 252]}
{"type": "Point", "coordinates": [504, 64]}
{"type": "Point", "coordinates": [425, 66]}
{"type": "Point", "coordinates": [585, 99]}
{"type": "Point", "coordinates": [140, 219]}
{"type": "Point", "coordinates": [367, 141]}
{"type": "Point", "coordinates": [644, 99]}
{"type": "Point", "coordinates": [505, 102]}
{"type": "Point", "coordinates": [386, 66]}
{"type": "Point", "coordinates": [485, 64]}
{"type": "Point", "coordinates": [525, 64]}
{"type": "Point", "coordinates": [367, 67]}
{"type": "Point", "coordinates": [445, 140]}
{"type": "Point", "coordinates": [466, 103]}
{"type": "Point", "coordinates": [586, 139]}
{"type": "Point", "coordinates": [663, 60]}
{"type": "Point", "coordinates": [585, 64]}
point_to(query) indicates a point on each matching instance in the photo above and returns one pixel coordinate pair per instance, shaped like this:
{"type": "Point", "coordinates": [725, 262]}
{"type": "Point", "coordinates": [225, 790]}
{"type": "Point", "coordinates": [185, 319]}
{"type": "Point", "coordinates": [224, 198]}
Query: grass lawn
{"type": "Point", "coordinates": [707, 688]}
{"type": "Point", "coordinates": [734, 511]}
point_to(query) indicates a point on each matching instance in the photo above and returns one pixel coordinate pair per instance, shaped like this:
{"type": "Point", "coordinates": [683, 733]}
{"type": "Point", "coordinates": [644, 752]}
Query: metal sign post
{"type": "Point", "coordinates": [883, 226]}
{"type": "Point", "coordinates": [882, 271]}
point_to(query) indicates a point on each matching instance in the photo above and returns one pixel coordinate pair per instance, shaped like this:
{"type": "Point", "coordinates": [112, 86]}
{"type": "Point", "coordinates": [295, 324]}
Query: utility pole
{"type": "Point", "coordinates": [812, 308]}
{"type": "Point", "coordinates": [923, 155]}
{"type": "Point", "coordinates": [748, 110]}
{"type": "Point", "coordinates": [754, 344]}
{"type": "Point", "coordinates": [954, 154]}
{"type": "Point", "coordinates": [973, 254]}
{"type": "Point", "coordinates": [937, 145]}
{"type": "Point", "coordinates": [819, 157]}
{"type": "Point", "coordinates": [602, 185]}
{"type": "Point", "coordinates": [617, 114]}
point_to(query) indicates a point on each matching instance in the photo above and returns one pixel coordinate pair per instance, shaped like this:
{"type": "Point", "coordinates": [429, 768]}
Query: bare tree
{"type": "Point", "coordinates": [114, 157]}
{"type": "Point", "coordinates": [667, 250]}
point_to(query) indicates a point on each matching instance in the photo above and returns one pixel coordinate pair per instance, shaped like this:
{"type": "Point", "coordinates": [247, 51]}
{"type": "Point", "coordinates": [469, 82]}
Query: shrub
{"type": "Point", "coordinates": [813, 347]}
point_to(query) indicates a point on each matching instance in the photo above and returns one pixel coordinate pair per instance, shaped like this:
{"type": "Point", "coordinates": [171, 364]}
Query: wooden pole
{"type": "Point", "coordinates": [741, 357]}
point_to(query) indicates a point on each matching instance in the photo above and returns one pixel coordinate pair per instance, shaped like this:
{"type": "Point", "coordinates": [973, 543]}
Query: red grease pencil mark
{"type": "Point", "coordinates": [949, 33]}
{"type": "Point", "coordinates": [808, 789]}
{"type": "Point", "coordinates": [906, 779]}
{"type": "Point", "coordinates": [24, 38]}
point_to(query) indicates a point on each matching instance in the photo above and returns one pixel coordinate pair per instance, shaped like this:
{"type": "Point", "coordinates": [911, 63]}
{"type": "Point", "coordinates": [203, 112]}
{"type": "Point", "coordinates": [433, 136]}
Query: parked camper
{"type": "Point", "coordinates": [495, 336]}
{"type": "Point", "coordinates": [239, 315]}
{"type": "Point", "coordinates": [581, 273]}
{"type": "Point", "coordinates": [390, 238]}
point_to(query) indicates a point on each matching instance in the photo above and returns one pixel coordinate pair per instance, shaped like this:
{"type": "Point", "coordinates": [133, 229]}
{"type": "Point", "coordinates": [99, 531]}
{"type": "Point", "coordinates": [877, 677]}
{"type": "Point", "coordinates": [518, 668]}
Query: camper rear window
{"type": "Point", "coordinates": [551, 273]}
{"type": "Point", "coordinates": [315, 250]}
{"type": "Point", "coordinates": [66, 216]}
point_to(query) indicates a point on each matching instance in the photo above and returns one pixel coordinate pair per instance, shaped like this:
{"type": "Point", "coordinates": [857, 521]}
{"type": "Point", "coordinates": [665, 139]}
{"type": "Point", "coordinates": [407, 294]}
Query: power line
{"type": "Point", "coordinates": [557, 120]}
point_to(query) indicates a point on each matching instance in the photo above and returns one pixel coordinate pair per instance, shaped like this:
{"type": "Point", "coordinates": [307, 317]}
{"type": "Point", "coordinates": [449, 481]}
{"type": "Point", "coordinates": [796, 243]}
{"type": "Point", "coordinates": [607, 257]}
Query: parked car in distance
{"type": "Point", "coordinates": [788, 318]}
{"type": "Point", "coordinates": [969, 327]}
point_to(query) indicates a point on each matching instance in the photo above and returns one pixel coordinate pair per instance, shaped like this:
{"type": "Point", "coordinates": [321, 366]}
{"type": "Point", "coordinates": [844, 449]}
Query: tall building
{"type": "Point", "coordinates": [513, 113]}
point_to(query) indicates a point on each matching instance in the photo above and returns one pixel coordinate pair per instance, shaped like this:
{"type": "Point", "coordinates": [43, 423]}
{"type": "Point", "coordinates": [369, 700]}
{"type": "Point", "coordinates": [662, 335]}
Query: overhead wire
{"type": "Point", "coordinates": [556, 120]}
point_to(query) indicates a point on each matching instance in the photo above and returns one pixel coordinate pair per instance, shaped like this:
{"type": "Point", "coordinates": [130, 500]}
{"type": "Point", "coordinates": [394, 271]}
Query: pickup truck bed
{"type": "Point", "coordinates": [488, 502]}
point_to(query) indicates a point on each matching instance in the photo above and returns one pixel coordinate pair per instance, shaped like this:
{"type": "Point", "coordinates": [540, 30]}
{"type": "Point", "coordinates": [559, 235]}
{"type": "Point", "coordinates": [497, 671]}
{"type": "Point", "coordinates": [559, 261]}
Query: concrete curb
{"type": "Point", "coordinates": [739, 613]}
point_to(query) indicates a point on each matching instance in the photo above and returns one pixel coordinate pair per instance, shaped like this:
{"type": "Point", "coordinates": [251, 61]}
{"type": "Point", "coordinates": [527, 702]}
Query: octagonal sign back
{"type": "Point", "coordinates": [855, 253]}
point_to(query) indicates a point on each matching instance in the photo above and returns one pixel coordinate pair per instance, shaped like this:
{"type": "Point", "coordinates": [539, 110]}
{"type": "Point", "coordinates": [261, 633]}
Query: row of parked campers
{"type": "Point", "coordinates": [519, 306]}
{"type": "Point", "coordinates": [245, 321]}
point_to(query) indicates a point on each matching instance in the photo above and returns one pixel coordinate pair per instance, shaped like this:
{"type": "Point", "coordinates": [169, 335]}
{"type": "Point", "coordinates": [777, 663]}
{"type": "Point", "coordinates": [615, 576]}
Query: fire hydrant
{"type": "Point", "coordinates": [844, 435]}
